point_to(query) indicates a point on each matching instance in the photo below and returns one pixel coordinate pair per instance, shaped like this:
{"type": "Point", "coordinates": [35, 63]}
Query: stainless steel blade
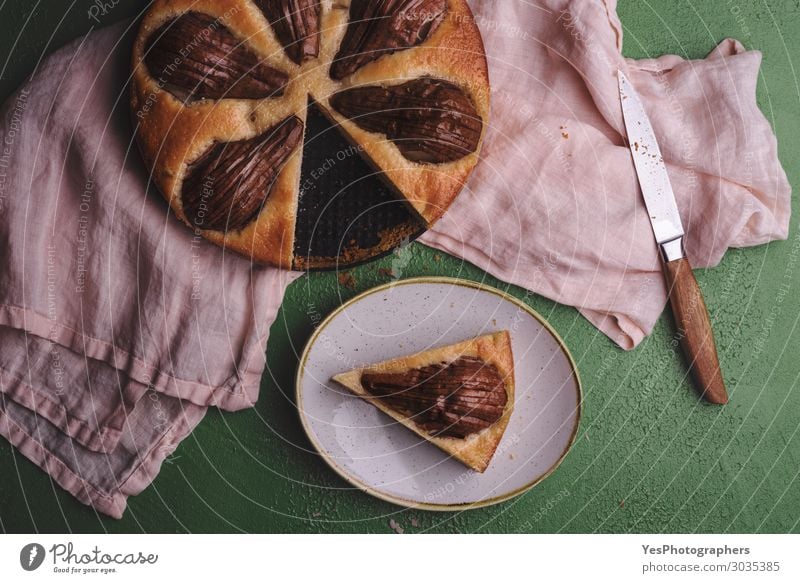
{"type": "Point", "coordinates": [650, 168]}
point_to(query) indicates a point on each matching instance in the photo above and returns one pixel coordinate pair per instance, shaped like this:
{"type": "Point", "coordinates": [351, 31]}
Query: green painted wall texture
{"type": "Point", "coordinates": [649, 455]}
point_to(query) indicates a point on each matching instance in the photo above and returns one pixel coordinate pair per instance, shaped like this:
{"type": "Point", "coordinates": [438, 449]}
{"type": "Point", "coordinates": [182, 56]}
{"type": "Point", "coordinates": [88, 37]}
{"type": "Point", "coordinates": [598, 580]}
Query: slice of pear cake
{"type": "Point", "coordinates": [458, 397]}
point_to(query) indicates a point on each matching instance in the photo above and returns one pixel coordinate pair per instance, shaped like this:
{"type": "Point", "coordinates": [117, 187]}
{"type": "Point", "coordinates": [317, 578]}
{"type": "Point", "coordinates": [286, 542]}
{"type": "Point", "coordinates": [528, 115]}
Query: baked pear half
{"type": "Point", "coordinates": [458, 397]}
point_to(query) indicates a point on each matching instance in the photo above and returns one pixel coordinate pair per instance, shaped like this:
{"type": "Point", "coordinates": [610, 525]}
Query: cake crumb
{"type": "Point", "coordinates": [622, 503]}
{"type": "Point", "coordinates": [414, 522]}
{"type": "Point", "coordinates": [347, 280]}
{"type": "Point", "coordinates": [386, 272]}
{"type": "Point", "coordinates": [396, 526]}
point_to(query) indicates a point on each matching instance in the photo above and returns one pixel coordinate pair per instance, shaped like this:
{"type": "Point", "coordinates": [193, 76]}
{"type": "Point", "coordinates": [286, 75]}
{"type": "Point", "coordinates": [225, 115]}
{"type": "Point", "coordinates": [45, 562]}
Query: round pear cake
{"type": "Point", "coordinates": [309, 134]}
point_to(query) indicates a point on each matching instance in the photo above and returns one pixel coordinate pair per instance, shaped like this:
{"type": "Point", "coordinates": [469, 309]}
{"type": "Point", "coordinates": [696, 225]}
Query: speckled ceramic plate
{"type": "Point", "coordinates": [378, 455]}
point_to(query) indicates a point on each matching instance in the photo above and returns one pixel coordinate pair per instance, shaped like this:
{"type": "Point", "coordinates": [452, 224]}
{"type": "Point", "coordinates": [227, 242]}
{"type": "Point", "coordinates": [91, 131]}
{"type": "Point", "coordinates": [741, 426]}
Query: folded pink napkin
{"type": "Point", "coordinates": [119, 326]}
{"type": "Point", "coordinates": [554, 205]}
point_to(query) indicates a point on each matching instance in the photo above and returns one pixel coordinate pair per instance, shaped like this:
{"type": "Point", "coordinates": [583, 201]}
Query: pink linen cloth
{"type": "Point", "coordinates": [554, 206]}
{"type": "Point", "coordinates": [119, 327]}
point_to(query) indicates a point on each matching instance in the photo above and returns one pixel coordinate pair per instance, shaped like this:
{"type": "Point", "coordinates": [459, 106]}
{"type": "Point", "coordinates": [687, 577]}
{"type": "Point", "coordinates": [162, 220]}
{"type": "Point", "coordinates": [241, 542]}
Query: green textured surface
{"type": "Point", "coordinates": [649, 456]}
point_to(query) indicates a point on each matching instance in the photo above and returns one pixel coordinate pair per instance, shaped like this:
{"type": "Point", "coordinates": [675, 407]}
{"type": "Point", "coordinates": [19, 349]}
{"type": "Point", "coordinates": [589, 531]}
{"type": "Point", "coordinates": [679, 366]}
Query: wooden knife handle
{"type": "Point", "coordinates": [694, 327]}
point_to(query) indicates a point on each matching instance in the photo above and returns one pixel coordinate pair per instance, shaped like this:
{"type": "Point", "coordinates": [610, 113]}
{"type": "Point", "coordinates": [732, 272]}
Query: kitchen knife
{"type": "Point", "coordinates": [686, 299]}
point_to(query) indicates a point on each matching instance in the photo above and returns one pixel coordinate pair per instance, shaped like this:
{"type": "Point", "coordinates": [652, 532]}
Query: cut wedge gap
{"type": "Point", "coordinates": [346, 211]}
